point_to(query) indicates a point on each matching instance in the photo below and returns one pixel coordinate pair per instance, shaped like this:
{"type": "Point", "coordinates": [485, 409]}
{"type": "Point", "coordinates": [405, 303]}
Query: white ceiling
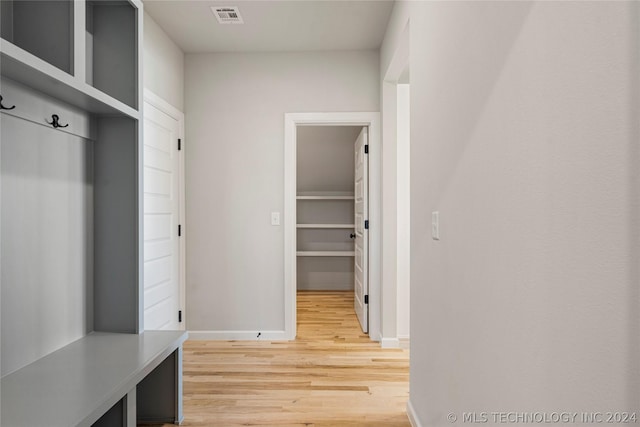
{"type": "Point", "coordinates": [274, 25]}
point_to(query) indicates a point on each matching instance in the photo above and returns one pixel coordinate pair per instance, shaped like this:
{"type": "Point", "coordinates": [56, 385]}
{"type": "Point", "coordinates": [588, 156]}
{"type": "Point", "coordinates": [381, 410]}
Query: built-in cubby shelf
{"type": "Point", "coordinates": [23, 67]}
{"type": "Point", "coordinates": [326, 253]}
{"type": "Point", "coordinates": [111, 49]}
{"type": "Point", "coordinates": [114, 168]}
{"type": "Point", "coordinates": [80, 187]}
{"type": "Point", "coordinates": [324, 195]}
{"type": "Point", "coordinates": [88, 60]}
{"type": "Point", "coordinates": [42, 28]}
{"type": "Point", "coordinates": [324, 239]}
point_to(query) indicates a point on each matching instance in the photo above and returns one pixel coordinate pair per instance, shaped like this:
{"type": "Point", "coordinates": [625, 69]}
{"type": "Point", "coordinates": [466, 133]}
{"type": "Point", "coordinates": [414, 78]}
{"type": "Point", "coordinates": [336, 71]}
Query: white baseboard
{"type": "Point", "coordinates": [390, 343]}
{"type": "Point", "coordinates": [239, 335]}
{"type": "Point", "coordinates": [413, 417]}
{"type": "Point", "coordinates": [405, 343]}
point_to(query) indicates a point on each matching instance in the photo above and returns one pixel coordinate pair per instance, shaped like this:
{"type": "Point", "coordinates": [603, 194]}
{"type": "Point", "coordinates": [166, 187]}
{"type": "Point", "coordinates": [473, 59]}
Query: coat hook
{"type": "Point", "coordinates": [54, 122]}
{"type": "Point", "coordinates": [2, 107]}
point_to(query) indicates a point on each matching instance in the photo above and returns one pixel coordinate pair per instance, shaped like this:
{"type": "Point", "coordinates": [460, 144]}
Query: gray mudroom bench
{"type": "Point", "coordinates": [102, 379]}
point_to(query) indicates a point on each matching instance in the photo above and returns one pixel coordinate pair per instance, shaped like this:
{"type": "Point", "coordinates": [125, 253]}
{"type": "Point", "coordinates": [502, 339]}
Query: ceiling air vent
{"type": "Point", "coordinates": [227, 14]}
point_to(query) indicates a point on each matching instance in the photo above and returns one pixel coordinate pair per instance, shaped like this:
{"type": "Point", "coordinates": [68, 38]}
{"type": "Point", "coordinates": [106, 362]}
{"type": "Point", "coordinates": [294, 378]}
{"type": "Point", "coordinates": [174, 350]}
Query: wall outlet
{"type": "Point", "coordinates": [275, 218]}
{"type": "Point", "coordinates": [435, 225]}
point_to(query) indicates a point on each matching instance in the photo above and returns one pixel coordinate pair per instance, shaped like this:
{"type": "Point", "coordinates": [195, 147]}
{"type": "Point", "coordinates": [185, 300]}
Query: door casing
{"type": "Point", "coordinates": [372, 121]}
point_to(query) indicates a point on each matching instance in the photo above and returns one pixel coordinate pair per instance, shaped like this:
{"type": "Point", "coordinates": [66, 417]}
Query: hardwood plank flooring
{"type": "Point", "coordinates": [331, 375]}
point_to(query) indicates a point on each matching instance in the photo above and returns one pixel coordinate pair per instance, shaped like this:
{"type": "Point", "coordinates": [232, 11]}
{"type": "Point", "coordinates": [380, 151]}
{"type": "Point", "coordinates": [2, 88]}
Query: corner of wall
{"type": "Point", "coordinates": [413, 416]}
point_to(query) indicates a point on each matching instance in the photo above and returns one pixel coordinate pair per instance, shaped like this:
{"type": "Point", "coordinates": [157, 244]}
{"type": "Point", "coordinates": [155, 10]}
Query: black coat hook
{"type": "Point", "coordinates": [54, 122]}
{"type": "Point", "coordinates": [2, 107]}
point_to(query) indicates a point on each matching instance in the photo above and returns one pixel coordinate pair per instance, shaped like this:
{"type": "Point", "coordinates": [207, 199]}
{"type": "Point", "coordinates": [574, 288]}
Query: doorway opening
{"type": "Point", "coordinates": [332, 213]}
{"type": "Point", "coordinates": [331, 188]}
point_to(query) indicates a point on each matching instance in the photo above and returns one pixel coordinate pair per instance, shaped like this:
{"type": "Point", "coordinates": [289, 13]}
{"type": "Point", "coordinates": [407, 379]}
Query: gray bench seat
{"type": "Point", "coordinates": [97, 374]}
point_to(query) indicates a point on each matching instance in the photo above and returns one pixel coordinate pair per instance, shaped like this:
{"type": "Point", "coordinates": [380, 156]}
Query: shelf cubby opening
{"type": "Point", "coordinates": [53, 40]}
{"type": "Point", "coordinates": [111, 49]}
{"type": "Point", "coordinates": [322, 273]}
{"type": "Point", "coordinates": [326, 212]}
{"type": "Point", "coordinates": [313, 239]}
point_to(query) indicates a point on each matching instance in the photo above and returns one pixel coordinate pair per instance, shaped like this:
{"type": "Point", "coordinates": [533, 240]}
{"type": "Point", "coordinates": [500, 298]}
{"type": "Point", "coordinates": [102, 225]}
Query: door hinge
{"type": "Point", "coordinates": [179, 144]}
{"type": "Point", "coordinates": [366, 149]}
{"type": "Point", "coordinates": [366, 224]}
{"type": "Point", "coordinates": [366, 299]}
{"type": "Point", "coordinates": [179, 230]}
{"type": "Point", "coordinates": [179, 316]}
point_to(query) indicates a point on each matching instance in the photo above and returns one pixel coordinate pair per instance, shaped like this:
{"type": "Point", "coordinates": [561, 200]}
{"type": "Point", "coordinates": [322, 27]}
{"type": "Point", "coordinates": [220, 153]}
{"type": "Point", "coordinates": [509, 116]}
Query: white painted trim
{"type": "Point", "coordinates": [413, 417]}
{"type": "Point", "coordinates": [290, 221]}
{"type": "Point", "coordinates": [400, 58]}
{"type": "Point", "coordinates": [372, 120]}
{"type": "Point", "coordinates": [390, 343]}
{"type": "Point", "coordinates": [238, 335]}
{"type": "Point", "coordinates": [165, 107]}
{"type": "Point", "coordinates": [178, 115]}
{"type": "Point", "coordinates": [389, 258]}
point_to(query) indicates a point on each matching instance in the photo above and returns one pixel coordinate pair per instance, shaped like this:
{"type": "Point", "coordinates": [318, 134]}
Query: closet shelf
{"type": "Point", "coordinates": [326, 226]}
{"type": "Point", "coordinates": [325, 253]}
{"type": "Point", "coordinates": [23, 67]}
{"type": "Point", "coordinates": [325, 197]}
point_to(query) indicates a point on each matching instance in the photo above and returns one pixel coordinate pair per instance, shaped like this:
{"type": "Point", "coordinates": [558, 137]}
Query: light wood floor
{"type": "Point", "coordinates": [331, 375]}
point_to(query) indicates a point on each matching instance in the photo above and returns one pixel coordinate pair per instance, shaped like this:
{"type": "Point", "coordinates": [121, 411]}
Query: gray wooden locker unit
{"type": "Point", "coordinates": [80, 60]}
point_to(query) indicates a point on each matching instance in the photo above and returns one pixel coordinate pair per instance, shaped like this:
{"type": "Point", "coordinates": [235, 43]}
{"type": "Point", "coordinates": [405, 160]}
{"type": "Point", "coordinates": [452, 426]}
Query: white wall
{"type": "Point", "coordinates": [235, 106]}
{"type": "Point", "coordinates": [163, 66]}
{"type": "Point", "coordinates": [325, 158]}
{"type": "Point", "coordinates": [524, 124]}
{"type": "Point", "coordinates": [404, 210]}
{"type": "Point", "coordinates": [394, 65]}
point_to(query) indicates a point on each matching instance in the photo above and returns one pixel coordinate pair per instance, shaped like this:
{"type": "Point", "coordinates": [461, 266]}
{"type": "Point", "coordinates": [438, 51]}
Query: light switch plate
{"type": "Point", "coordinates": [275, 218]}
{"type": "Point", "coordinates": [435, 225]}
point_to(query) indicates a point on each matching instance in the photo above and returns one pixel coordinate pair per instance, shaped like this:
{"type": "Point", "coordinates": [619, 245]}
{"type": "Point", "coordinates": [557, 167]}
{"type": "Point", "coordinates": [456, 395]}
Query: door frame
{"type": "Point", "coordinates": [399, 62]}
{"type": "Point", "coordinates": [372, 121]}
{"type": "Point", "coordinates": [173, 112]}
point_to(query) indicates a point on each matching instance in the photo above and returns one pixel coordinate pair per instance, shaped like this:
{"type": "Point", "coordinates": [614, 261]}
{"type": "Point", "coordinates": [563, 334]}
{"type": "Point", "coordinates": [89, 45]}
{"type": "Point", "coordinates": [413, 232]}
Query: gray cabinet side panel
{"type": "Point", "coordinates": [47, 240]}
{"type": "Point", "coordinates": [116, 226]}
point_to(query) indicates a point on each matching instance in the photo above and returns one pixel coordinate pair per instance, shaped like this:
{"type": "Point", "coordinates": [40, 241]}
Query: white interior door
{"type": "Point", "coordinates": [161, 220]}
{"type": "Point", "coordinates": [361, 186]}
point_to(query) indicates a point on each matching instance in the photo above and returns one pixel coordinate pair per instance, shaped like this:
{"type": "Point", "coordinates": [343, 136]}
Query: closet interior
{"type": "Point", "coordinates": [325, 207]}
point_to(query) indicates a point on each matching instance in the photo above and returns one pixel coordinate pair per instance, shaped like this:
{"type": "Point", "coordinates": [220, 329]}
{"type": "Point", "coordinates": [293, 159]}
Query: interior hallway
{"type": "Point", "coordinates": [331, 375]}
